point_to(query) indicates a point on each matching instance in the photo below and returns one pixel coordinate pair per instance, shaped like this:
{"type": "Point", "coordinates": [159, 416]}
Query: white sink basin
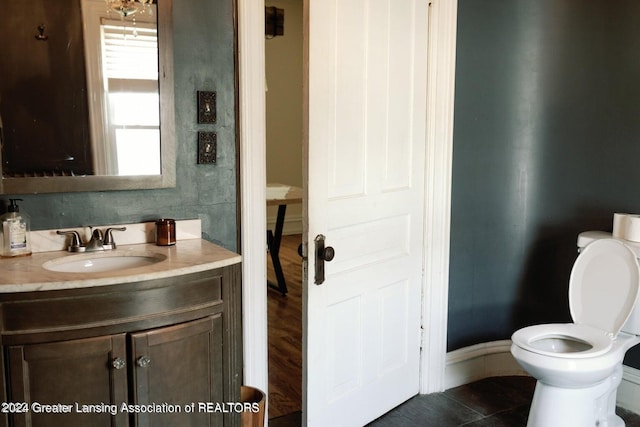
{"type": "Point", "coordinates": [102, 261]}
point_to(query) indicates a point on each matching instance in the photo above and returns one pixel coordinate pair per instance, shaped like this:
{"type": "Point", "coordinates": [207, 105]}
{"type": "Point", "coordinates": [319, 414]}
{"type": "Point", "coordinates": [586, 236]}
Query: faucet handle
{"type": "Point", "coordinates": [76, 243]}
{"type": "Point", "coordinates": [109, 243]}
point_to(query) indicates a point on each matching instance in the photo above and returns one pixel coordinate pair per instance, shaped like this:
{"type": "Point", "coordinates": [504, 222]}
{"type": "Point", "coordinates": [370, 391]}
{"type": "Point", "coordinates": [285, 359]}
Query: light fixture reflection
{"type": "Point", "coordinates": [126, 8]}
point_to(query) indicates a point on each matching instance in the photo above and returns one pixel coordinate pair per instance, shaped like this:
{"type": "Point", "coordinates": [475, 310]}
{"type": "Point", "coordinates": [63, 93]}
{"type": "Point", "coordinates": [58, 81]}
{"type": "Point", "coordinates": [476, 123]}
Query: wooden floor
{"type": "Point", "coordinates": [285, 333]}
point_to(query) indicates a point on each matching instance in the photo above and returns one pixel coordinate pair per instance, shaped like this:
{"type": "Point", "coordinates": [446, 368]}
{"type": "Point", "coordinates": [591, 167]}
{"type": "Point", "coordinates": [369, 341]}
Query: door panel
{"type": "Point", "coordinates": [365, 193]}
{"type": "Point", "coordinates": [373, 242]}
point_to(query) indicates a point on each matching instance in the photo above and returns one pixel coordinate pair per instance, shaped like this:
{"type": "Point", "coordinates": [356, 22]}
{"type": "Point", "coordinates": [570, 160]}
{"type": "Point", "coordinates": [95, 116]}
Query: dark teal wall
{"type": "Point", "coordinates": [546, 145]}
{"type": "Point", "coordinates": [203, 60]}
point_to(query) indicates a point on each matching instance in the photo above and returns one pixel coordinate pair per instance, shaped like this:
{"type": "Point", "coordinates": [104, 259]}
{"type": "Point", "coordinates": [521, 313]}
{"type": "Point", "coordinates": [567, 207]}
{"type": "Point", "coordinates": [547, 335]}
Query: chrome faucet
{"type": "Point", "coordinates": [98, 242]}
{"type": "Point", "coordinates": [95, 244]}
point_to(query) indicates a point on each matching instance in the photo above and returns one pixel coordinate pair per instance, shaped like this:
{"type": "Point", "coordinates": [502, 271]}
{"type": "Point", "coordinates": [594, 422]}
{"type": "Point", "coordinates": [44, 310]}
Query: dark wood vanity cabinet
{"type": "Point", "coordinates": [166, 345]}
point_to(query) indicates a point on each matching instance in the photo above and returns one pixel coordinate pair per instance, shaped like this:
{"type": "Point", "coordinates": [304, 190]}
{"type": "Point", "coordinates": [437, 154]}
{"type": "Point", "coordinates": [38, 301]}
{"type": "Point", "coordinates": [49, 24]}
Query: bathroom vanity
{"type": "Point", "coordinates": [160, 343]}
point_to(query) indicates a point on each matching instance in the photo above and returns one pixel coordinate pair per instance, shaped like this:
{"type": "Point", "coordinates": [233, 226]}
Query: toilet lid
{"type": "Point", "coordinates": [603, 287]}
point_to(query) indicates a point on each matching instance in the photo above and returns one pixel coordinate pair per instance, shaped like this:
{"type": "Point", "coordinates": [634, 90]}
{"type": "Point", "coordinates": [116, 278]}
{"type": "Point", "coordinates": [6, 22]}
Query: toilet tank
{"type": "Point", "coordinates": [632, 326]}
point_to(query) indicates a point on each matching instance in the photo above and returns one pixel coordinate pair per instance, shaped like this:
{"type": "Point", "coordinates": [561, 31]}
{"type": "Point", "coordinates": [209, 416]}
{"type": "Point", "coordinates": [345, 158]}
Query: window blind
{"type": "Point", "coordinates": [129, 51]}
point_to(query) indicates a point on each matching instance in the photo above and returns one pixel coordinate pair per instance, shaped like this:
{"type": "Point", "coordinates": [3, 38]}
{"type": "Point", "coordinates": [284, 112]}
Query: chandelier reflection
{"type": "Point", "coordinates": [126, 8]}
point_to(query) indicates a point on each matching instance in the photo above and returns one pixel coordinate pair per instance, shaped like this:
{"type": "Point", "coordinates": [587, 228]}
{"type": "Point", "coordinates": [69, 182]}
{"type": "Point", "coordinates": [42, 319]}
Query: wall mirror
{"type": "Point", "coordinates": [86, 96]}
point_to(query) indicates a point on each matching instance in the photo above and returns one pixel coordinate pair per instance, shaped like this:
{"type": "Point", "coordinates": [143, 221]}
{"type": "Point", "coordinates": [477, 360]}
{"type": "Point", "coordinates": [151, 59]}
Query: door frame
{"type": "Point", "coordinates": [438, 168]}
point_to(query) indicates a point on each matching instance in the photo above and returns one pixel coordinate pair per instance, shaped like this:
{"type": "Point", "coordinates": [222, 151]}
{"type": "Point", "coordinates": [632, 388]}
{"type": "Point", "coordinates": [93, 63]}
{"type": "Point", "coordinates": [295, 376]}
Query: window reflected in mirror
{"type": "Point", "coordinates": [122, 74]}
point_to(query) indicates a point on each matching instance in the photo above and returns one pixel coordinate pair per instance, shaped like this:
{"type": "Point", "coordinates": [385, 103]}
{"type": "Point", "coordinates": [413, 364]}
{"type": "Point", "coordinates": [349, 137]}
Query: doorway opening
{"type": "Point", "coordinates": [284, 142]}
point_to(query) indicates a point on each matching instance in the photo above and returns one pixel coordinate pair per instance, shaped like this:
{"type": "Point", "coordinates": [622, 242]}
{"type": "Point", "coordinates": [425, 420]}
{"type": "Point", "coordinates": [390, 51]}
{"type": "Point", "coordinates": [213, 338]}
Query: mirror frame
{"type": "Point", "coordinates": [167, 178]}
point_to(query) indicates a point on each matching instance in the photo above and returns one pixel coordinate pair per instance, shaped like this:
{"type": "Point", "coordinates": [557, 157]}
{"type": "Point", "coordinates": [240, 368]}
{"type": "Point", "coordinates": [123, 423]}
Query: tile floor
{"type": "Point", "coordinates": [492, 402]}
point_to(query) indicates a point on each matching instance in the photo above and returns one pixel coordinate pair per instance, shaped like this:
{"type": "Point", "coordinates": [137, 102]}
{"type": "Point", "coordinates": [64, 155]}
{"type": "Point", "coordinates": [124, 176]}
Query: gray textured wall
{"type": "Point", "coordinates": [546, 145]}
{"type": "Point", "coordinates": [203, 60]}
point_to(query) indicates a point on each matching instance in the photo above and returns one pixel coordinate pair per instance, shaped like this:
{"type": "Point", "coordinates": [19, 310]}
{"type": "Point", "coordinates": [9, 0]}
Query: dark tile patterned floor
{"type": "Point", "coordinates": [492, 402]}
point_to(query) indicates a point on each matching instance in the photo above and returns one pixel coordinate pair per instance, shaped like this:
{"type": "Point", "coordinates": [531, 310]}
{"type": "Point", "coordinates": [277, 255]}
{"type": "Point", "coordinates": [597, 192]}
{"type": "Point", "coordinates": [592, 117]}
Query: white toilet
{"type": "Point", "coordinates": [579, 365]}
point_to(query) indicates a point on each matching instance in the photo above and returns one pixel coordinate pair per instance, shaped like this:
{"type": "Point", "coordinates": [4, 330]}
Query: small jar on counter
{"type": "Point", "coordinates": [165, 232]}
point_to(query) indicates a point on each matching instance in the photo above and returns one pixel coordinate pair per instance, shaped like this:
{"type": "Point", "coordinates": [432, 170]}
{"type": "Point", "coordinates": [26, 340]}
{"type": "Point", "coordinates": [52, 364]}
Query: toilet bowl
{"type": "Point", "coordinates": [578, 366]}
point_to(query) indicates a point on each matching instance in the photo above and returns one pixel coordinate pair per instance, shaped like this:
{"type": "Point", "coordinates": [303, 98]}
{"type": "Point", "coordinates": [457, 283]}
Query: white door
{"type": "Point", "coordinates": [365, 192]}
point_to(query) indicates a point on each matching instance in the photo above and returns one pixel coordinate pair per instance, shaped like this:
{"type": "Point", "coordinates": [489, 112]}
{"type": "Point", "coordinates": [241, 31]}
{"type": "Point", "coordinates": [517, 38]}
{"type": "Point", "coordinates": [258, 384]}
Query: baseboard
{"type": "Point", "coordinates": [629, 390]}
{"type": "Point", "coordinates": [494, 359]}
{"type": "Point", "coordinates": [490, 359]}
{"type": "Point", "coordinates": [292, 224]}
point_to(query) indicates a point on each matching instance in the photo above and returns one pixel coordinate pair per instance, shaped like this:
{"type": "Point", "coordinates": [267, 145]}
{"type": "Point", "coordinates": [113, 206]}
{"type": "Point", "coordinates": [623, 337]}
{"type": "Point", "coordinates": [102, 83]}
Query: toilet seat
{"type": "Point", "coordinates": [603, 289]}
{"type": "Point", "coordinates": [586, 340]}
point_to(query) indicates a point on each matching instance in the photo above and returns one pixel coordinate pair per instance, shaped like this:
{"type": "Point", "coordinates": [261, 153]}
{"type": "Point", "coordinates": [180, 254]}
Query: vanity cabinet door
{"type": "Point", "coordinates": [89, 371]}
{"type": "Point", "coordinates": [179, 365]}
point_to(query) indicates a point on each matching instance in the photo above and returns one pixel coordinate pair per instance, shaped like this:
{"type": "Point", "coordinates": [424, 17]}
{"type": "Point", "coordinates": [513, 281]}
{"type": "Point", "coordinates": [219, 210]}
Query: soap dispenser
{"type": "Point", "coordinates": [14, 233]}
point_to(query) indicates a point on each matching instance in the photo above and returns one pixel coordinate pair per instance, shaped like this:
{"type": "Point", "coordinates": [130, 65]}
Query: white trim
{"type": "Point", "coordinates": [629, 390]}
{"type": "Point", "coordinates": [253, 183]}
{"type": "Point", "coordinates": [292, 224]}
{"type": "Point", "coordinates": [490, 359]}
{"type": "Point", "coordinates": [494, 359]}
{"type": "Point", "coordinates": [440, 99]}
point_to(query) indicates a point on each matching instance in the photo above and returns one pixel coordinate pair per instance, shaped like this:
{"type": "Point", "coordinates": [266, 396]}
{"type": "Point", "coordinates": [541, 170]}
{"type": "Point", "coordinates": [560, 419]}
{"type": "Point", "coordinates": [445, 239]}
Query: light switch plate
{"type": "Point", "coordinates": [206, 107]}
{"type": "Point", "coordinates": [207, 147]}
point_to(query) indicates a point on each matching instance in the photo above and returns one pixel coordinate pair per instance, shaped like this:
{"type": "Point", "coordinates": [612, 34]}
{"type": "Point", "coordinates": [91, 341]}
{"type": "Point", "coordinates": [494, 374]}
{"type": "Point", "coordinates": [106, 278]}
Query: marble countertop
{"type": "Point", "coordinates": [26, 273]}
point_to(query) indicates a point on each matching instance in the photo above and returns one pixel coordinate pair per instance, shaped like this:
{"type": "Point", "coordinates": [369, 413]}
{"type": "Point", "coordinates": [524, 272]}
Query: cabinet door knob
{"type": "Point", "coordinates": [118, 363]}
{"type": "Point", "coordinates": [143, 361]}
